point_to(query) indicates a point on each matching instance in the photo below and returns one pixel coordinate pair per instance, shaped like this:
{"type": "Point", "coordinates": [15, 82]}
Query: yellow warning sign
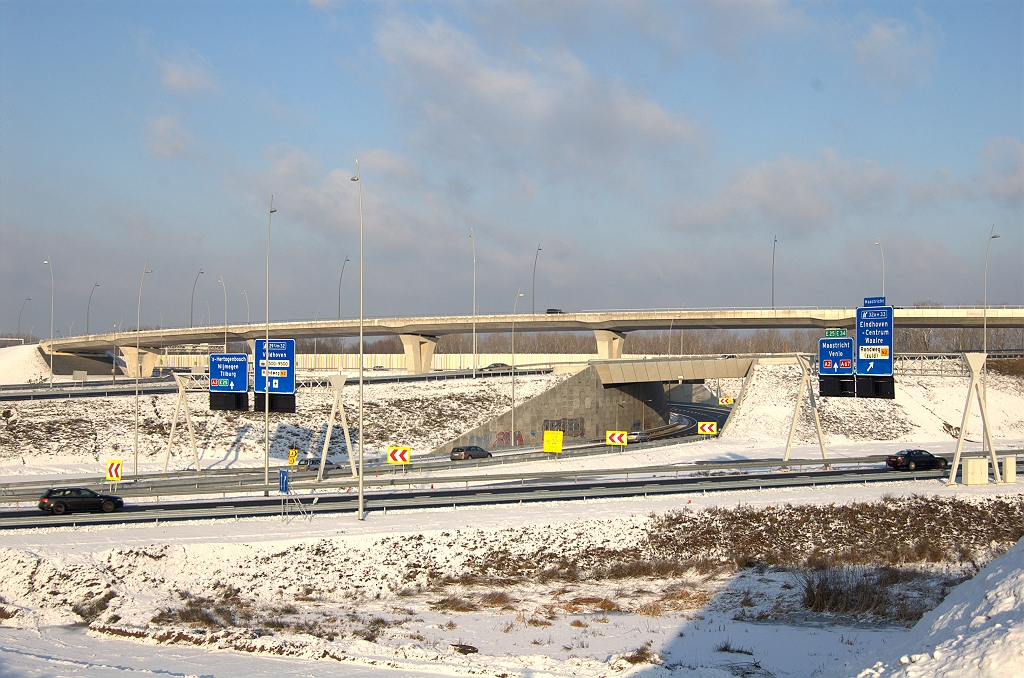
{"type": "Point", "coordinates": [113, 470]}
{"type": "Point", "coordinates": [707, 428]}
{"type": "Point", "coordinates": [615, 437]}
{"type": "Point", "coordinates": [725, 401]}
{"type": "Point", "coordinates": [553, 441]}
{"type": "Point", "coordinates": [293, 456]}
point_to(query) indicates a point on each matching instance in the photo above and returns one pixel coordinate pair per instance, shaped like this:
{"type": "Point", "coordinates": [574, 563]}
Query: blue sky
{"type": "Point", "coordinates": [652, 150]}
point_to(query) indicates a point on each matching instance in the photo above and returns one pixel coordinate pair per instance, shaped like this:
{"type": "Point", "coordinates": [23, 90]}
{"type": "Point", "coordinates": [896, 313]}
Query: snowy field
{"type": "Point", "coordinates": [732, 584]}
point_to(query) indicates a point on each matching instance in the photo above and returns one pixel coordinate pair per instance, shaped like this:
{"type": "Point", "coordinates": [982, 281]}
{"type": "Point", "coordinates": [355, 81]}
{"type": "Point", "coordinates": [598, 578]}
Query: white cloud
{"type": "Point", "coordinates": [544, 112]}
{"type": "Point", "coordinates": [893, 57]}
{"type": "Point", "coordinates": [168, 138]}
{"type": "Point", "coordinates": [1001, 170]}
{"type": "Point", "coordinates": [733, 24]}
{"type": "Point", "coordinates": [188, 76]}
{"type": "Point", "coordinates": [794, 195]}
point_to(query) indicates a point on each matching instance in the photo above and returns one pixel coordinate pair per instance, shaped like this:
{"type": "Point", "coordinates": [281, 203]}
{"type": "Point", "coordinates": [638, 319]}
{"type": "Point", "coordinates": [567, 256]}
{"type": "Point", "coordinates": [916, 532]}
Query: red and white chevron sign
{"type": "Point", "coordinates": [707, 427]}
{"type": "Point", "coordinates": [113, 470]}
{"type": "Point", "coordinates": [615, 437]}
{"type": "Point", "coordinates": [399, 455]}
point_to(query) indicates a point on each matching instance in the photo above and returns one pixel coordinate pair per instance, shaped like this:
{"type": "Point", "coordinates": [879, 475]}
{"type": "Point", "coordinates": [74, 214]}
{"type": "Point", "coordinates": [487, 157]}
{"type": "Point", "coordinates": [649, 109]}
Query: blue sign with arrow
{"type": "Point", "coordinates": [229, 373]}
{"type": "Point", "coordinates": [874, 341]}
{"type": "Point", "coordinates": [835, 356]}
{"type": "Point", "coordinates": [275, 370]}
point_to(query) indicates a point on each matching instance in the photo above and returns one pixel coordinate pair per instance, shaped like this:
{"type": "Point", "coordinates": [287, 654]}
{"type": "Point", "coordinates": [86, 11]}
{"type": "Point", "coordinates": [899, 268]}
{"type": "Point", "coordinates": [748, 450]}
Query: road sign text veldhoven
{"type": "Point", "coordinates": [113, 470]}
{"type": "Point", "coordinates": [278, 368]}
{"type": "Point", "coordinates": [399, 455]}
{"type": "Point", "coordinates": [874, 340]}
{"type": "Point", "coordinates": [835, 357]}
{"type": "Point", "coordinates": [615, 437]}
{"type": "Point", "coordinates": [707, 427]}
{"type": "Point", "coordinates": [553, 441]}
{"type": "Point", "coordinates": [229, 373]}
{"type": "Point", "coordinates": [835, 333]}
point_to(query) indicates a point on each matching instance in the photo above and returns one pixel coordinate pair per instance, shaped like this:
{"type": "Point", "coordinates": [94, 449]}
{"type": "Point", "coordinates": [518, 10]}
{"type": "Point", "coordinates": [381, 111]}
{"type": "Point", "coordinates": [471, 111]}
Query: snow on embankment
{"type": "Point", "coordinates": [22, 365]}
{"type": "Point", "coordinates": [925, 409]}
{"type": "Point", "coordinates": [977, 631]}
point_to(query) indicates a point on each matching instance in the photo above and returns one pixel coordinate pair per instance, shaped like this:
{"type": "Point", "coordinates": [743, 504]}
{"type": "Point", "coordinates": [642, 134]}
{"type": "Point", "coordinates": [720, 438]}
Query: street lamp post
{"type": "Point", "coordinates": [266, 368]}
{"type": "Point", "coordinates": [359, 184]}
{"type": "Point", "coordinates": [340, 278]}
{"type": "Point", "coordinates": [472, 238]}
{"type": "Point", "coordinates": [47, 262]}
{"type": "Point", "coordinates": [246, 307]}
{"type": "Point", "coordinates": [533, 291]}
{"type": "Point", "coordinates": [878, 241]}
{"type": "Point", "coordinates": [984, 338]}
{"type": "Point", "coordinates": [192, 302]}
{"type": "Point", "coordinates": [774, 242]}
{"type": "Point", "coordinates": [138, 365]}
{"type": "Point", "coordinates": [27, 299]}
{"type": "Point", "coordinates": [221, 281]}
{"type": "Point", "coordinates": [88, 306]}
{"type": "Point", "coordinates": [518, 294]}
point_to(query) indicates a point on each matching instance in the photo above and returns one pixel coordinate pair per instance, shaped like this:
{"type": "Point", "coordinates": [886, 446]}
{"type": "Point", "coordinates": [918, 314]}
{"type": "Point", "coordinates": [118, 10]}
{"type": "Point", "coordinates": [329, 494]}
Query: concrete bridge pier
{"type": "Point", "coordinates": [140, 363]}
{"type": "Point", "coordinates": [609, 344]}
{"type": "Point", "coordinates": [419, 352]}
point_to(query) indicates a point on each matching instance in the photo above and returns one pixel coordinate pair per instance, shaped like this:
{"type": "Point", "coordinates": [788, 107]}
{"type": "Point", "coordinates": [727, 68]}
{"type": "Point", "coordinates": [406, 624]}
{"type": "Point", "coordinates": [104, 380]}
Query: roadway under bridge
{"type": "Point", "coordinates": [419, 334]}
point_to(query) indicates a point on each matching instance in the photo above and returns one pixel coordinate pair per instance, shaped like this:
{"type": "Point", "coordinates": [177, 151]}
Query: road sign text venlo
{"type": "Point", "coordinates": [553, 441]}
{"type": "Point", "coordinates": [399, 455]}
{"type": "Point", "coordinates": [874, 341]}
{"type": "Point", "coordinates": [229, 373]}
{"type": "Point", "coordinates": [615, 437]}
{"type": "Point", "coordinates": [113, 470]}
{"type": "Point", "coordinates": [835, 356]}
{"type": "Point", "coordinates": [275, 373]}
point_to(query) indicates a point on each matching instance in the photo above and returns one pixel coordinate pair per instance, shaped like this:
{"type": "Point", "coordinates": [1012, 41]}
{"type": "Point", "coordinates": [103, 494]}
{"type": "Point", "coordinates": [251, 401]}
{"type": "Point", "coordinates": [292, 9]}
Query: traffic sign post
{"type": "Point", "coordinates": [275, 374]}
{"type": "Point", "coordinates": [835, 333]}
{"type": "Point", "coordinates": [835, 357]}
{"type": "Point", "coordinates": [399, 455]}
{"type": "Point", "coordinates": [874, 341]}
{"type": "Point", "coordinates": [229, 381]}
{"type": "Point", "coordinates": [707, 428]}
{"type": "Point", "coordinates": [553, 441]}
{"type": "Point", "coordinates": [282, 481]}
{"type": "Point", "coordinates": [293, 456]}
{"type": "Point", "coordinates": [113, 470]}
{"type": "Point", "coordinates": [616, 438]}
{"type": "Point", "coordinates": [722, 402]}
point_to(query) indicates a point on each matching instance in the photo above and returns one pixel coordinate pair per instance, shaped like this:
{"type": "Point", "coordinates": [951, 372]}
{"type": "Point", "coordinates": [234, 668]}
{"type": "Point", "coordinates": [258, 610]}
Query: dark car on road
{"type": "Point", "coordinates": [915, 460]}
{"type": "Point", "coordinates": [469, 452]}
{"type": "Point", "coordinates": [63, 499]}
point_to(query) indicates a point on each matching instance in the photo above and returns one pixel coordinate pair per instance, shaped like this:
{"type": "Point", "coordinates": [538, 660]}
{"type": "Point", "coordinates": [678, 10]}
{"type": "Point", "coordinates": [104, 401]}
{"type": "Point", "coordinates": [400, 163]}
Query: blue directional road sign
{"type": "Point", "coordinates": [275, 373]}
{"type": "Point", "coordinates": [874, 301]}
{"type": "Point", "coordinates": [282, 481]}
{"type": "Point", "coordinates": [229, 373]}
{"type": "Point", "coordinates": [835, 356]}
{"type": "Point", "coordinates": [874, 341]}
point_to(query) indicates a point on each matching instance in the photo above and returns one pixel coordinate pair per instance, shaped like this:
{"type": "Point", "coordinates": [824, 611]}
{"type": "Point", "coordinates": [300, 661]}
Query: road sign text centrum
{"type": "Point", "coordinates": [874, 341]}
{"type": "Point", "coordinates": [835, 334]}
{"type": "Point", "coordinates": [278, 368]}
{"type": "Point", "coordinates": [229, 373]}
{"type": "Point", "coordinates": [835, 356]}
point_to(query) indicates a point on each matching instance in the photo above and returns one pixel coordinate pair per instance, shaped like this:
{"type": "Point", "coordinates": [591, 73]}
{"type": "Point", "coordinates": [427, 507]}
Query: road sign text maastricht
{"type": "Point", "coordinates": [835, 356]}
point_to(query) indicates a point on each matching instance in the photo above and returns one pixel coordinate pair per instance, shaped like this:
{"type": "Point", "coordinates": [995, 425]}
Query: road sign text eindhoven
{"type": "Point", "coordinates": [275, 373]}
{"type": "Point", "coordinates": [835, 356]}
{"type": "Point", "coordinates": [229, 373]}
{"type": "Point", "coordinates": [874, 341]}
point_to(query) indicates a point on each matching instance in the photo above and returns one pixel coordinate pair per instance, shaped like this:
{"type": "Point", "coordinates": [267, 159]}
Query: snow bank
{"type": "Point", "coordinates": [977, 631]}
{"type": "Point", "coordinates": [22, 365]}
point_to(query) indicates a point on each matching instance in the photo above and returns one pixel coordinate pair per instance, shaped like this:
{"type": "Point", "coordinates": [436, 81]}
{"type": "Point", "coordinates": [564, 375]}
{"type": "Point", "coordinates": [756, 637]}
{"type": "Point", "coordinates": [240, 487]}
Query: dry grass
{"type": "Point", "coordinates": [93, 608]}
{"type": "Point", "coordinates": [651, 609]}
{"type": "Point", "coordinates": [453, 604]}
{"type": "Point", "coordinates": [642, 655]}
{"type": "Point", "coordinates": [895, 594]}
{"type": "Point", "coordinates": [579, 623]}
{"type": "Point", "coordinates": [496, 599]}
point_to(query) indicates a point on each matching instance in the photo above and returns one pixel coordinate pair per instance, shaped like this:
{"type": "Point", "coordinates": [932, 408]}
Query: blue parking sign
{"type": "Point", "coordinates": [275, 369]}
{"type": "Point", "coordinates": [229, 373]}
{"type": "Point", "coordinates": [874, 341]}
{"type": "Point", "coordinates": [835, 356]}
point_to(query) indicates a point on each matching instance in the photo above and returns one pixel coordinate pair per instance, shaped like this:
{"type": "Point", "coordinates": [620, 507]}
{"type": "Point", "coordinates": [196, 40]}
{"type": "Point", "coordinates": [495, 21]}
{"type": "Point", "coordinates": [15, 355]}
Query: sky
{"type": "Point", "coordinates": [657, 153]}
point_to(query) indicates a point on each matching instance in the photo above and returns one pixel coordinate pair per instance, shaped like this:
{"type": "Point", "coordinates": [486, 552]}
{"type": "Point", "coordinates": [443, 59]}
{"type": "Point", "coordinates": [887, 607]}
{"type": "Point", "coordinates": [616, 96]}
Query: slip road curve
{"type": "Point", "coordinates": [449, 497]}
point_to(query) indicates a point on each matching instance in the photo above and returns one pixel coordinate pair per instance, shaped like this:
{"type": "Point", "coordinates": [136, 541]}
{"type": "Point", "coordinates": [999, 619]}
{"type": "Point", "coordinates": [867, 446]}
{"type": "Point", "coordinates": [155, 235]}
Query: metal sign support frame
{"type": "Point", "coordinates": [805, 384]}
{"type": "Point", "coordinates": [182, 398]}
{"type": "Point", "coordinates": [337, 383]}
{"type": "Point", "coordinates": [976, 362]}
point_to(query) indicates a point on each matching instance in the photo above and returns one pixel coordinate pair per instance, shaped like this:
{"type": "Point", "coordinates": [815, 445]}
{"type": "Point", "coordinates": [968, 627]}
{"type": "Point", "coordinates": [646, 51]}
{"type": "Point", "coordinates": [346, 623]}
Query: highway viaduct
{"type": "Point", "coordinates": [419, 334]}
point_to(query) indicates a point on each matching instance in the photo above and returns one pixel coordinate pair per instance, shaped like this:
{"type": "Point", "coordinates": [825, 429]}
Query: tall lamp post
{"type": "Point", "coordinates": [138, 365]}
{"type": "Point", "coordinates": [266, 368]}
{"type": "Point", "coordinates": [984, 331]}
{"type": "Point", "coordinates": [774, 243]}
{"type": "Point", "coordinates": [359, 184]}
{"type": "Point", "coordinates": [88, 306]}
{"type": "Point", "coordinates": [340, 278]}
{"type": "Point", "coordinates": [533, 291]}
{"type": "Point", "coordinates": [878, 241]}
{"type": "Point", "coordinates": [246, 307]}
{"type": "Point", "coordinates": [221, 281]}
{"type": "Point", "coordinates": [27, 299]}
{"type": "Point", "coordinates": [518, 294]}
{"type": "Point", "coordinates": [192, 302]}
{"type": "Point", "coordinates": [472, 238]}
{"type": "Point", "coordinates": [47, 262]}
